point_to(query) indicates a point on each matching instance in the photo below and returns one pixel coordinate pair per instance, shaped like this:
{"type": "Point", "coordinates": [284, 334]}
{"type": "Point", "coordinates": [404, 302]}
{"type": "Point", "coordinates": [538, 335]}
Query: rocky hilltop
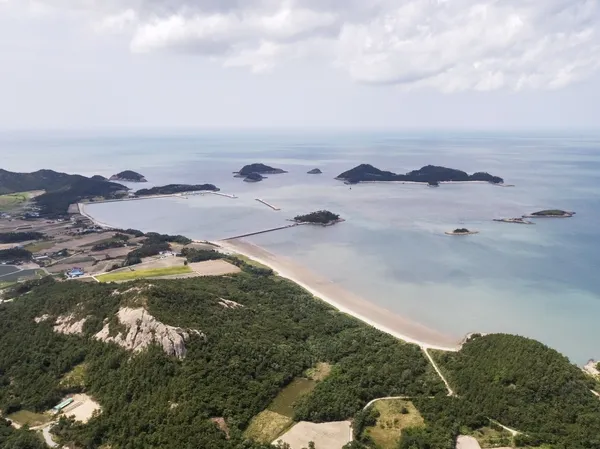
{"type": "Point", "coordinates": [136, 330]}
{"type": "Point", "coordinates": [430, 174]}
{"type": "Point", "coordinates": [261, 169]}
{"type": "Point", "coordinates": [128, 176]}
{"type": "Point", "coordinates": [141, 330]}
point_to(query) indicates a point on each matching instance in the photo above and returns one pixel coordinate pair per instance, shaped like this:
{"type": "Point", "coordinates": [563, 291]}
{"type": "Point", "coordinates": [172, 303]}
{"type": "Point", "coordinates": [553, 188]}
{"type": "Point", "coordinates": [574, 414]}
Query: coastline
{"type": "Point", "coordinates": [343, 300]}
{"type": "Point", "coordinates": [82, 212]}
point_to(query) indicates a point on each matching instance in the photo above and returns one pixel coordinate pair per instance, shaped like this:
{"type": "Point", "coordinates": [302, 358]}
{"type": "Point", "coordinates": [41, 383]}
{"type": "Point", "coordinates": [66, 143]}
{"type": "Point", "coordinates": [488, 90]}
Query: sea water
{"type": "Point", "coordinates": [540, 281]}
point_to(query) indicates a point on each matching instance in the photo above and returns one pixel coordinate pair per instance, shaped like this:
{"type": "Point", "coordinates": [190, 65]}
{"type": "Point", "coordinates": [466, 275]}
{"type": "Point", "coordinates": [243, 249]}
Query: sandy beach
{"type": "Point", "coordinates": [92, 219]}
{"type": "Point", "coordinates": [345, 301]}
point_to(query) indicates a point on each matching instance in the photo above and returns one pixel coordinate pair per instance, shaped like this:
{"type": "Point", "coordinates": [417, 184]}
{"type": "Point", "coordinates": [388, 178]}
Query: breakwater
{"type": "Point", "coordinates": [267, 204]}
{"type": "Point", "coordinates": [264, 231]}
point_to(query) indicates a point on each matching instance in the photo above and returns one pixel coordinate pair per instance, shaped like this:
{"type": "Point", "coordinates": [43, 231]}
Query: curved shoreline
{"type": "Point", "coordinates": [82, 212]}
{"type": "Point", "coordinates": [343, 300]}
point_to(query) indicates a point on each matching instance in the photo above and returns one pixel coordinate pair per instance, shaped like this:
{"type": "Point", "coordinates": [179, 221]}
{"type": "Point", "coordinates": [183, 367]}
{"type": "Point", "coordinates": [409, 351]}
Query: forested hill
{"type": "Point", "coordinates": [62, 189]}
{"type": "Point", "coordinates": [427, 174]}
{"type": "Point", "coordinates": [527, 386]}
{"type": "Point", "coordinates": [247, 354]}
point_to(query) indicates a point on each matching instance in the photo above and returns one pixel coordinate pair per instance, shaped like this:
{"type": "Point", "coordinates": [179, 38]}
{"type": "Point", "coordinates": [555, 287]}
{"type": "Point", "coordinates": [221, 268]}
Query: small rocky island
{"type": "Point", "coordinates": [170, 189]}
{"type": "Point", "coordinates": [315, 171]}
{"type": "Point", "coordinates": [462, 231]}
{"type": "Point", "coordinates": [514, 220]}
{"type": "Point", "coordinates": [430, 174]}
{"type": "Point", "coordinates": [550, 213]}
{"type": "Point", "coordinates": [254, 177]}
{"type": "Point", "coordinates": [261, 169]}
{"type": "Point", "coordinates": [128, 176]}
{"type": "Point", "coordinates": [321, 217]}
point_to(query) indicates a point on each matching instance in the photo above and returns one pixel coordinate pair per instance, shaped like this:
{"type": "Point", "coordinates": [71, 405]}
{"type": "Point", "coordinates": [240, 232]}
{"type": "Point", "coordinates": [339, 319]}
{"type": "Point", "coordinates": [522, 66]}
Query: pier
{"type": "Point", "coordinates": [264, 231]}
{"type": "Point", "coordinates": [267, 204]}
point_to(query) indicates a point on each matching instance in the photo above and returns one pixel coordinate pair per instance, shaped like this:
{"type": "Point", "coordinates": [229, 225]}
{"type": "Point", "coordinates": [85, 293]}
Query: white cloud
{"type": "Point", "coordinates": [449, 45]}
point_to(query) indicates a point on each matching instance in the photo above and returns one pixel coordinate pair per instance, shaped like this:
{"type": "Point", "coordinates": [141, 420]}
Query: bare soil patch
{"type": "Point", "coordinates": [332, 435]}
{"type": "Point", "coordinates": [214, 268]}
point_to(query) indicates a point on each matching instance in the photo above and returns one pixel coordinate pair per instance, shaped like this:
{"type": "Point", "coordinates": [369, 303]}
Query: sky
{"type": "Point", "coordinates": [351, 64]}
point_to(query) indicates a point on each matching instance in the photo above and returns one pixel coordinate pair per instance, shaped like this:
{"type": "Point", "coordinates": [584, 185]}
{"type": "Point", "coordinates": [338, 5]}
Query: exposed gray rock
{"type": "Point", "coordinates": [143, 330]}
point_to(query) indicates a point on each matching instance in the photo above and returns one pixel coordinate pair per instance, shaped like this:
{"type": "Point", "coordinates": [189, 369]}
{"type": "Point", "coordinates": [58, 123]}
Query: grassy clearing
{"type": "Point", "coordinates": [36, 247]}
{"type": "Point", "coordinates": [24, 417]}
{"type": "Point", "coordinates": [6, 284]}
{"type": "Point", "coordinates": [489, 437]}
{"type": "Point", "coordinates": [75, 378]}
{"type": "Point", "coordinates": [140, 274]}
{"type": "Point", "coordinates": [319, 372]}
{"type": "Point", "coordinates": [283, 404]}
{"type": "Point", "coordinates": [12, 200]}
{"type": "Point", "coordinates": [267, 426]}
{"type": "Point", "coordinates": [249, 261]}
{"type": "Point", "coordinates": [395, 415]}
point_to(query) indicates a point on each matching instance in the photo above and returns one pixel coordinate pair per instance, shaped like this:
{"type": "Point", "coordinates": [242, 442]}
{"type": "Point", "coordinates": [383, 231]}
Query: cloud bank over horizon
{"type": "Point", "coordinates": [446, 45]}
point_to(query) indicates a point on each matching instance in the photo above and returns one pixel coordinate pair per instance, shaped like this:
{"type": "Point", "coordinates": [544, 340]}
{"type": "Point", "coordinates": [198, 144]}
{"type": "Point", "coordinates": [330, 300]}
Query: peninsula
{"type": "Point", "coordinates": [430, 174]}
{"type": "Point", "coordinates": [60, 189]}
{"type": "Point", "coordinates": [550, 213]}
{"type": "Point", "coordinates": [261, 169]}
{"type": "Point", "coordinates": [128, 176]}
{"type": "Point", "coordinates": [176, 188]}
{"type": "Point", "coordinates": [461, 231]}
{"type": "Point", "coordinates": [315, 171]}
{"type": "Point", "coordinates": [321, 217]}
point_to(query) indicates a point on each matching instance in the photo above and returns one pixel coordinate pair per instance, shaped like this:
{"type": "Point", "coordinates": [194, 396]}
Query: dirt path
{"type": "Point", "coordinates": [513, 432]}
{"type": "Point", "coordinates": [435, 367]}
{"type": "Point", "coordinates": [48, 436]}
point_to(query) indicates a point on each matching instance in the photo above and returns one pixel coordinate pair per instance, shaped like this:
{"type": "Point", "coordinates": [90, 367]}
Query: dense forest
{"type": "Point", "coordinates": [249, 353]}
{"type": "Point", "coordinates": [176, 188]}
{"type": "Point", "coordinates": [15, 255]}
{"type": "Point", "coordinates": [18, 237]}
{"type": "Point", "coordinates": [527, 386]}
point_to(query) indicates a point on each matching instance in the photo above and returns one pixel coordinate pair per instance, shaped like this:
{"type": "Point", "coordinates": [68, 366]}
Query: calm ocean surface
{"type": "Point", "coordinates": [539, 281]}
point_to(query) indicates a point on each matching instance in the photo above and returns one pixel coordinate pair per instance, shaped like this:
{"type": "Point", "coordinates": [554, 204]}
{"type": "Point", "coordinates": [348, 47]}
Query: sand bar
{"type": "Point", "coordinates": [345, 301]}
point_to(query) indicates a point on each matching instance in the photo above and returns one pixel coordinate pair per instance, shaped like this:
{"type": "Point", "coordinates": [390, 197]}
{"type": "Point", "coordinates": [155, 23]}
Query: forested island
{"type": "Point", "coordinates": [261, 169]}
{"type": "Point", "coordinates": [550, 213]}
{"type": "Point", "coordinates": [462, 231]}
{"type": "Point", "coordinates": [430, 174]}
{"type": "Point", "coordinates": [176, 188]}
{"type": "Point", "coordinates": [315, 171]}
{"type": "Point", "coordinates": [61, 189]}
{"type": "Point", "coordinates": [321, 217]}
{"type": "Point", "coordinates": [254, 177]}
{"type": "Point", "coordinates": [128, 176]}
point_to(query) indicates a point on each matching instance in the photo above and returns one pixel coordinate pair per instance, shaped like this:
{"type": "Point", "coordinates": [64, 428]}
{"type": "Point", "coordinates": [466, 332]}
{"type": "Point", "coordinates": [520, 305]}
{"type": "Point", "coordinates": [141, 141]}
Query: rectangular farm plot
{"type": "Point", "coordinates": [214, 268]}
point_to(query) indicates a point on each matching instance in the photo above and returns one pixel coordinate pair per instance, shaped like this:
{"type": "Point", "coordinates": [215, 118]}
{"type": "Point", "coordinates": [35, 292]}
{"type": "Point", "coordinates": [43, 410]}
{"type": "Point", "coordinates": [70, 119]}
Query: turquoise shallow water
{"type": "Point", "coordinates": [540, 281]}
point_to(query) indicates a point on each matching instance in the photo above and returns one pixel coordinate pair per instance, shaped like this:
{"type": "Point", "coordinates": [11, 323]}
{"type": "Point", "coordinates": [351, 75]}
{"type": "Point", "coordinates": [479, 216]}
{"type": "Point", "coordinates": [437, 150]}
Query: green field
{"type": "Point", "coordinates": [39, 246]}
{"type": "Point", "coordinates": [267, 426]}
{"type": "Point", "coordinates": [140, 274]}
{"type": "Point", "coordinates": [283, 404]}
{"type": "Point", "coordinates": [24, 417]}
{"type": "Point", "coordinates": [394, 415]}
{"type": "Point", "coordinates": [12, 200]}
